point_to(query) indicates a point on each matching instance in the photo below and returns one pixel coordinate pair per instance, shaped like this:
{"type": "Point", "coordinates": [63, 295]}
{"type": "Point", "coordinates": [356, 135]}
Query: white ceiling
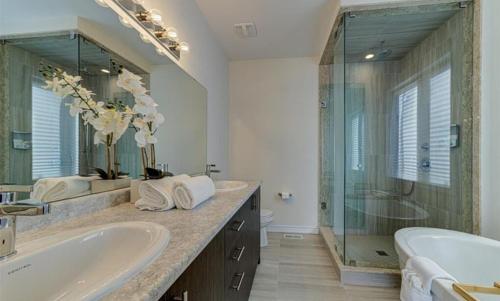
{"type": "Point", "coordinates": [286, 28]}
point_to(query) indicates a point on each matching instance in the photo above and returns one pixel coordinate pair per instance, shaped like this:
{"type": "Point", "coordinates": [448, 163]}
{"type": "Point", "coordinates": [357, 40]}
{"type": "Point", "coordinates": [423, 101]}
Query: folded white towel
{"type": "Point", "coordinates": [189, 193]}
{"type": "Point", "coordinates": [417, 277]}
{"type": "Point", "coordinates": [54, 189]}
{"type": "Point", "coordinates": [158, 194]}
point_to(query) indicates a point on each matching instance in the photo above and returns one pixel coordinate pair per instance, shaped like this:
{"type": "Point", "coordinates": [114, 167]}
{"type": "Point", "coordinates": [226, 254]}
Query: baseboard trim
{"type": "Point", "coordinates": [293, 229]}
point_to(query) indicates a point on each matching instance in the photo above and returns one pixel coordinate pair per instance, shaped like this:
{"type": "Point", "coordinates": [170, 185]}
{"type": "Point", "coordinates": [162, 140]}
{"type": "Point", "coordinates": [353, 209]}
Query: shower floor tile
{"type": "Point", "coordinates": [370, 251]}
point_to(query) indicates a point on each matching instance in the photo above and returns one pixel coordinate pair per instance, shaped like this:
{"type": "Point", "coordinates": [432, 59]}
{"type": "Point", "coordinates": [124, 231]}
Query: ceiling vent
{"type": "Point", "coordinates": [245, 30]}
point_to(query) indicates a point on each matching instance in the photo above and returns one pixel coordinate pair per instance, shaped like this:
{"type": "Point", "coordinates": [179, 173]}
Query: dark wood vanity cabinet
{"type": "Point", "coordinates": [225, 269]}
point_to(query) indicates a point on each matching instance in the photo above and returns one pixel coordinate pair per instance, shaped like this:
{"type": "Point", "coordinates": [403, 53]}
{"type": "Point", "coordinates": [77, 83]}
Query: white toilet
{"type": "Point", "coordinates": [266, 217]}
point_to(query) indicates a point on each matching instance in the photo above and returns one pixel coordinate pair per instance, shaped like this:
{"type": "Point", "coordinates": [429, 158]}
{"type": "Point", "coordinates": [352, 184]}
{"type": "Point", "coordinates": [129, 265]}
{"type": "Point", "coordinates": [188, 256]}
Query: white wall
{"type": "Point", "coordinates": [274, 135]}
{"type": "Point", "coordinates": [207, 63]}
{"type": "Point", "coordinates": [490, 123]}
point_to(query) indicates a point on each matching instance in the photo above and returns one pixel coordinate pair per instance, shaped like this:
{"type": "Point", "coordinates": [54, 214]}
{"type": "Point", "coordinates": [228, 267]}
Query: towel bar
{"type": "Point", "coordinates": [465, 290]}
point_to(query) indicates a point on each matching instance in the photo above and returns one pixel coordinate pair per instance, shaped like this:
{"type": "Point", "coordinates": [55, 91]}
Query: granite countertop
{"type": "Point", "coordinates": [190, 230]}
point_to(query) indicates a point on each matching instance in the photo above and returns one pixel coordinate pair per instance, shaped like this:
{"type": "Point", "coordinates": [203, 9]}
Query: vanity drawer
{"type": "Point", "coordinates": [235, 229]}
{"type": "Point", "coordinates": [238, 274]}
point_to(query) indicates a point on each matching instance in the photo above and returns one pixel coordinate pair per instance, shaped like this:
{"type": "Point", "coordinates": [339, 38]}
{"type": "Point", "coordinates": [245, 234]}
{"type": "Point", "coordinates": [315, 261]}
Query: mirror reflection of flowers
{"type": "Point", "coordinates": [146, 120]}
{"type": "Point", "coordinates": [110, 120]}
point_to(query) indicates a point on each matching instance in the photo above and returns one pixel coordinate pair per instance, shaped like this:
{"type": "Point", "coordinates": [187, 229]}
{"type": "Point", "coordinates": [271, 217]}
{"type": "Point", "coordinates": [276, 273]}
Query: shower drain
{"type": "Point", "coordinates": [382, 253]}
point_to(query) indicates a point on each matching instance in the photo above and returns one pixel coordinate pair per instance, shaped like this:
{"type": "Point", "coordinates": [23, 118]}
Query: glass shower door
{"type": "Point", "coordinates": [406, 148]}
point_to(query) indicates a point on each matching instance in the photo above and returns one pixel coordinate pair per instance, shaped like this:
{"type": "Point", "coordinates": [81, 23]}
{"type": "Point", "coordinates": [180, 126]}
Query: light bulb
{"type": "Point", "coordinates": [145, 38]}
{"type": "Point", "coordinates": [183, 46]}
{"type": "Point", "coordinates": [101, 3]}
{"type": "Point", "coordinates": [369, 56]}
{"type": "Point", "coordinates": [171, 33]}
{"type": "Point", "coordinates": [155, 16]}
{"type": "Point", "coordinates": [125, 22]}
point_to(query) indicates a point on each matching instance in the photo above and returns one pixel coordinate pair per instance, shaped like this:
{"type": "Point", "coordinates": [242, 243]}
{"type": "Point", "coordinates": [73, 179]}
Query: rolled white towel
{"type": "Point", "coordinates": [157, 195]}
{"type": "Point", "coordinates": [417, 277]}
{"type": "Point", "coordinates": [54, 189]}
{"type": "Point", "coordinates": [189, 193]}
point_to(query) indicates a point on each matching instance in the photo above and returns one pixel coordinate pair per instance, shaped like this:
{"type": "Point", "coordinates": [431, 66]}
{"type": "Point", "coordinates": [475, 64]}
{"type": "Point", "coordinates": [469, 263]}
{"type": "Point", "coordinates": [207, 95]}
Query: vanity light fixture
{"type": "Point", "coordinates": [152, 15]}
{"type": "Point", "coordinates": [369, 56]}
{"type": "Point", "coordinates": [105, 71]}
{"type": "Point", "coordinates": [149, 24]}
{"type": "Point", "coordinates": [172, 33]}
{"type": "Point", "coordinates": [183, 46]}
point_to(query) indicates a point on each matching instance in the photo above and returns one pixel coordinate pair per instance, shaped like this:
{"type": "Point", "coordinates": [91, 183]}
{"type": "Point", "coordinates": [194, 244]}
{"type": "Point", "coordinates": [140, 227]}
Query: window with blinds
{"type": "Point", "coordinates": [54, 136]}
{"type": "Point", "coordinates": [407, 156]}
{"type": "Point", "coordinates": [440, 121]}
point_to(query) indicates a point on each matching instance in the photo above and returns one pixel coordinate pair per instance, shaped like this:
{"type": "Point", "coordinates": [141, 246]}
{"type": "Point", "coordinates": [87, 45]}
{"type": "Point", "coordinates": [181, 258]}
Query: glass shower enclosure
{"type": "Point", "coordinates": [396, 130]}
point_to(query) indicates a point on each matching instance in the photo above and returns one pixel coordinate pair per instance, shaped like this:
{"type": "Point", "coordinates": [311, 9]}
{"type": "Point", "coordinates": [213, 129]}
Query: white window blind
{"type": "Point", "coordinates": [407, 134]}
{"type": "Point", "coordinates": [50, 158]}
{"type": "Point", "coordinates": [440, 122]}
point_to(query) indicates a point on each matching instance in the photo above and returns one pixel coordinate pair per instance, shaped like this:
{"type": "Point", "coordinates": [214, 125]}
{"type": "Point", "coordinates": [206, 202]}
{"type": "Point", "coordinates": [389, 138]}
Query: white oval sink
{"type": "Point", "coordinates": [225, 186]}
{"type": "Point", "coordinates": [81, 264]}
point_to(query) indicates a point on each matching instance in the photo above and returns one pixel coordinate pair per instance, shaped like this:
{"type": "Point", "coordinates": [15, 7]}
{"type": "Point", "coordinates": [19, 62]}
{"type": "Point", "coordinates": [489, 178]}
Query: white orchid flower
{"type": "Point", "coordinates": [145, 137]}
{"type": "Point", "coordinates": [128, 76]}
{"type": "Point", "coordinates": [75, 107]}
{"type": "Point", "coordinates": [139, 123]}
{"type": "Point", "coordinates": [145, 100]}
{"type": "Point", "coordinates": [99, 138]}
{"type": "Point", "coordinates": [71, 80]}
{"type": "Point", "coordinates": [140, 138]}
{"type": "Point", "coordinates": [121, 126]}
{"type": "Point", "coordinates": [155, 119]}
{"type": "Point", "coordinates": [130, 82]}
{"type": "Point", "coordinates": [63, 90]}
{"type": "Point", "coordinates": [84, 92]}
{"type": "Point", "coordinates": [53, 84]}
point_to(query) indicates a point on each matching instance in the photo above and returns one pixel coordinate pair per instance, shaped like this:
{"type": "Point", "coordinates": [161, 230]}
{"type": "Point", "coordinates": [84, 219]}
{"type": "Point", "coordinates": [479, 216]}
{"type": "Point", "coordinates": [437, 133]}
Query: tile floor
{"type": "Point", "coordinates": [293, 270]}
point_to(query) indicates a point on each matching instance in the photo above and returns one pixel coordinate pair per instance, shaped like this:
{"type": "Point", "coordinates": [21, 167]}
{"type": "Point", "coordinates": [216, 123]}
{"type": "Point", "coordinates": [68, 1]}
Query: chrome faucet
{"type": "Point", "coordinates": [209, 171]}
{"type": "Point", "coordinates": [10, 208]}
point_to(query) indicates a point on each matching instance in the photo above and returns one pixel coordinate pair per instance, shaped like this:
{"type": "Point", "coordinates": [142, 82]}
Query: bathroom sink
{"type": "Point", "coordinates": [225, 186]}
{"type": "Point", "coordinates": [81, 264]}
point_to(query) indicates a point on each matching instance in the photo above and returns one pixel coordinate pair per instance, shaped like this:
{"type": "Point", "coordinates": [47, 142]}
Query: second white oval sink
{"type": "Point", "coordinates": [81, 264]}
{"type": "Point", "coordinates": [225, 186]}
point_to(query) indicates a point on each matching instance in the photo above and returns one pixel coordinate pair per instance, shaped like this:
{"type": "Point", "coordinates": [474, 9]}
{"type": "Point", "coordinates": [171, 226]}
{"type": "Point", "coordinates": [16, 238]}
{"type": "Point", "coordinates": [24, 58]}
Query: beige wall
{"type": "Point", "coordinates": [274, 135]}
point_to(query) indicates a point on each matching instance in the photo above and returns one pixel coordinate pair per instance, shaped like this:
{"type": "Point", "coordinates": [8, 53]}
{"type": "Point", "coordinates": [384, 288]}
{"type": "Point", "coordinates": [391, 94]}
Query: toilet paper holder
{"type": "Point", "coordinates": [285, 195]}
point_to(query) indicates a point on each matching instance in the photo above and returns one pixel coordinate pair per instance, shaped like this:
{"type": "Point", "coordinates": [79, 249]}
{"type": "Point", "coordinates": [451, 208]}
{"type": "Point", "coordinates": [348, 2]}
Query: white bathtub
{"type": "Point", "coordinates": [469, 258]}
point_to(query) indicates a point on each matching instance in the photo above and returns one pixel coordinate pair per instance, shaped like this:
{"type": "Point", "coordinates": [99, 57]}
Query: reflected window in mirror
{"type": "Point", "coordinates": [54, 137]}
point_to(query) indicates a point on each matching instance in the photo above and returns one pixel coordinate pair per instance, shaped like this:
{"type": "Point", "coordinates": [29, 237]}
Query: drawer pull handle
{"type": "Point", "coordinates": [238, 286]}
{"type": "Point", "coordinates": [240, 225]}
{"type": "Point", "coordinates": [184, 297]}
{"type": "Point", "coordinates": [238, 252]}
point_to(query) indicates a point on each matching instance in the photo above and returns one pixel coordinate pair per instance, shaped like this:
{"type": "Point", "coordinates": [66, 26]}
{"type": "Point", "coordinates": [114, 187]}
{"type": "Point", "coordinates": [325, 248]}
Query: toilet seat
{"type": "Point", "coordinates": [265, 213]}
{"type": "Point", "coordinates": [266, 217]}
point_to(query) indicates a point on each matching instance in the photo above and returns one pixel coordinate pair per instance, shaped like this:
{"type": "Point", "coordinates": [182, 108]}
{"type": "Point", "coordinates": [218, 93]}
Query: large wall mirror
{"type": "Point", "coordinates": [39, 139]}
